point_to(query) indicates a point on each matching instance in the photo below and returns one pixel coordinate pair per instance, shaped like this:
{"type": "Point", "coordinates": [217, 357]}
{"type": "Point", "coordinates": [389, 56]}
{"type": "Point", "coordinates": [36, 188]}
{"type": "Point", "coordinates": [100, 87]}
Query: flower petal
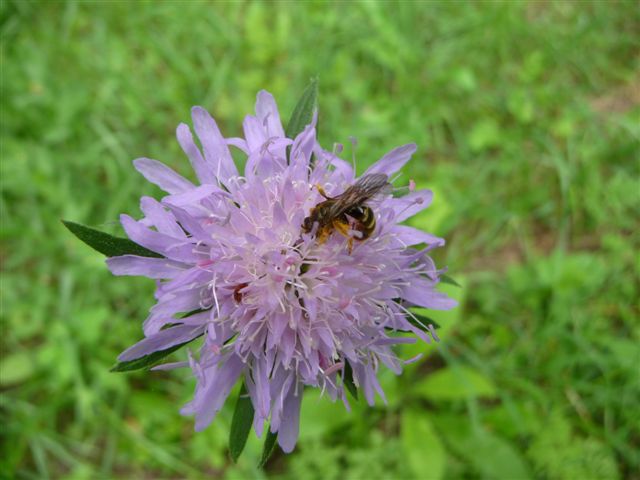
{"type": "Point", "coordinates": [267, 112]}
{"type": "Point", "coordinates": [239, 143]}
{"type": "Point", "coordinates": [193, 196]}
{"type": "Point", "coordinates": [408, 205]}
{"type": "Point", "coordinates": [161, 341]}
{"type": "Point", "coordinates": [160, 218]}
{"type": "Point", "coordinates": [304, 143]}
{"type": "Point", "coordinates": [216, 152]}
{"type": "Point", "coordinates": [210, 396]}
{"type": "Point", "coordinates": [393, 161]}
{"type": "Point", "coordinates": [145, 266]}
{"type": "Point", "coordinates": [254, 133]}
{"type": "Point", "coordinates": [421, 293]}
{"type": "Point", "coordinates": [203, 171]}
{"type": "Point", "coordinates": [412, 236]}
{"type": "Point", "coordinates": [170, 247]}
{"type": "Point", "coordinates": [159, 174]}
{"type": "Point", "coordinates": [290, 421]}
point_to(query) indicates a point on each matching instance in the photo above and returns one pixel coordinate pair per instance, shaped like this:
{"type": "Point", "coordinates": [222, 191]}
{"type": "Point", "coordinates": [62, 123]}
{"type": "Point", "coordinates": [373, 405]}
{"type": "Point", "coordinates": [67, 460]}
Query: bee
{"type": "Point", "coordinates": [348, 211]}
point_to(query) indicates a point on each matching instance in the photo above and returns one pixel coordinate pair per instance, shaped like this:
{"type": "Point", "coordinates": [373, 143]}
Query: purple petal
{"type": "Point", "coordinates": [160, 218]}
{"type": "Point", "coordinates": [170, 304]}
{"type": "Point", "coordinates": [239, 143]}
{"type": "Point", "coordinates": [412, 236]}
{"type": "Point", "coordinates": [185, 139]}
{"type": "Point", "coordinates": [362, 376]}
{"type": "Point", "coordinates": [193, 196]}
{"type": "Point", "coordinates": [192, 225]}
{"type": "Point", "coordinates": [267, 112]}
{"type": "Point", "coordinates": [279, 385]}
{"type": "Point", "coordinates": [159, 174]}
{"type": "Point", "coordinates": [304, 142]}
{"type": "Point", "coordinates": [343, 169]}
{"type": "Point", "coordinates": [145, 266]}
{"type": "Point", "coordinates": [409, 205]}
{"type": "Point", "coordinates": [254, 133]}
{"type": "Point", "coordinates": [393, 161]}
{"type": "Point", "coordinates": [395, 341]}
{"type": "Point", "coordinates": [158, 242]}
{"type": "Point", "coordinates": [183, 281]}
{"type": "Point", "coordinates": [290, 422]}
{"type": "Point", "coordinates": [421, 293]}
{"type": "Point", "coordinates": [169, 366]}
{"type": "Point", "coordinates": [215, 148]}
{"type": "Point", "coordinates": [210, 397]}
{"type": "Point", "coordinates": [161, 341]}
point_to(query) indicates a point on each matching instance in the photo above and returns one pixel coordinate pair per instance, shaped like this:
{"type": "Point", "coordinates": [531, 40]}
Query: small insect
{"type": "Point", "coordinates": [348, 210]}
{"type": "Point", "coordinates": [237, 294]}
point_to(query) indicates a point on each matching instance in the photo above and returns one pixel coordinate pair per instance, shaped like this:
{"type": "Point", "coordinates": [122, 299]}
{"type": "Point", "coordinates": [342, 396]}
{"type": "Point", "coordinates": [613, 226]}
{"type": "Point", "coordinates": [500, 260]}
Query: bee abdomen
{"type": "Point", "coordinates": [368, 218]}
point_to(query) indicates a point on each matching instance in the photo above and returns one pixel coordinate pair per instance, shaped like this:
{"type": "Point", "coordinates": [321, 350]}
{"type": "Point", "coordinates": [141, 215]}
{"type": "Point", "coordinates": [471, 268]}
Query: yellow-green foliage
{"type": "Point", "coordinates": [526, 115]}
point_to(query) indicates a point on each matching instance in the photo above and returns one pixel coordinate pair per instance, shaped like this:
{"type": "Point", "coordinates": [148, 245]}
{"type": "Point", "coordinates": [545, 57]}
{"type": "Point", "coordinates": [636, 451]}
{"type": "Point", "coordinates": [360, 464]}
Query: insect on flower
{"type": "Point", "coordinates": [348, 213]}
{"type": "Point", "coordinates": [249, 274]}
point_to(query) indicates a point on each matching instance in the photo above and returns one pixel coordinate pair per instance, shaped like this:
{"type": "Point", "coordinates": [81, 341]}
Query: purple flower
{"type": "Point", "coordinates": [277, 306]}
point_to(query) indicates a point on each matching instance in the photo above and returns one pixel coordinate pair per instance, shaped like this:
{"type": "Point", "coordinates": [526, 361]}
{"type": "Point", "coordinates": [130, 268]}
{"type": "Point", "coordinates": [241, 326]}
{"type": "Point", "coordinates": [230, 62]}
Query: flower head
{"type": "Point", "coordinates": [278, 306]}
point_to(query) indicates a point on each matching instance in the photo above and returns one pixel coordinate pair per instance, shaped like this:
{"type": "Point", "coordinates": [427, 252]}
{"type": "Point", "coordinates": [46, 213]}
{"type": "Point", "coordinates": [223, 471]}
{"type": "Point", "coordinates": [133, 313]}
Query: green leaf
{"type": "Point", "coordinates": [17, 367]}
{"type": "Point", "coordinates": [269, 447]}
{"type": "Point", "coordinates": [455, 383]}
{"type": "Point", "coordinates": [348, 380]}
{"type": "Point", "coordinates": [148, 361]}
{"type": "Point", "coordinates": [476, 446]}
{"type": "Point", "coordinates": [240, 424]}
{"type": "Point", "coordinates": [425, 453]}
{"type": "Point", "coordinates": [423, 321]}
{"type": "Point", "coordinates": [304, 110]}
{"type": "Point", "coordinates": [449, 280]}
{"type": "Point", "coordinates": [108, 244]}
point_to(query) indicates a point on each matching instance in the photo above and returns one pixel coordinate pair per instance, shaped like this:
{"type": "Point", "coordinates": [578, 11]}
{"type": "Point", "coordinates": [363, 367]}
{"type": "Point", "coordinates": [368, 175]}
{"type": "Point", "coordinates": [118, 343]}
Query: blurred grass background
{"type": "Point", "coordinates": [526, 115]}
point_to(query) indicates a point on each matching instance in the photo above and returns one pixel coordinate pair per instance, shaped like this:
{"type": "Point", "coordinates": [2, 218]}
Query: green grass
{"type": "Point", "coordinates": [526, 116]}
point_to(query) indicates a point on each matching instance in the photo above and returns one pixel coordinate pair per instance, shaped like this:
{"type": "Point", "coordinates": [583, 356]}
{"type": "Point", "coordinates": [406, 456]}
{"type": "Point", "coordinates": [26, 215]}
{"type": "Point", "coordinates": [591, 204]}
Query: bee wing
{"type": "Point", "coordinates": [366, 187]}
{"type": "Point", "coordinates": [372, 184]}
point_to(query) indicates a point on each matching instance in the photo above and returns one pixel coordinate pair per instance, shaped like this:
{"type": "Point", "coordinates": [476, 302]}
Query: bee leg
{"type": "Point", "coordinates": [322, 235]}
{"type": "Point", "coordinates": [343, 228]}
{"type": "Point", "coordinates": [322, 192]}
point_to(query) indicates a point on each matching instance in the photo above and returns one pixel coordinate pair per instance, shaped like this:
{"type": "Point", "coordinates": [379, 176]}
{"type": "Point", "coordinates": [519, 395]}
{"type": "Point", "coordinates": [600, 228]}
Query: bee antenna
{"type": "Point", "coordinates": [354, 144]}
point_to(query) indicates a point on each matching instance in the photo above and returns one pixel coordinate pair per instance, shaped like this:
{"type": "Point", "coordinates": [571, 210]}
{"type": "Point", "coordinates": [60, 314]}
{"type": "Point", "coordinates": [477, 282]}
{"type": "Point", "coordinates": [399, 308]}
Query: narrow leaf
{"type": "Point", "coordinates": [193, 312]}
{"type": "Point", "coordinates": [348, 380]}
{"type": "Point", "coordinates": [304, 110]}
{"type": "Point", "coordinates": [184, 315]}
{"type": "Point", "coordinates": [449, 280]}
{"type": "Point", "coordinates": [423, 321]}
{"type": "Point", "coordinates": [108, 244]}
{"type": "Point", "coordinates": [147, 361]}
{"type": "Point", "coordinates": [269, 447]}
{"type": "Point", "coordinates": [240, 424]}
